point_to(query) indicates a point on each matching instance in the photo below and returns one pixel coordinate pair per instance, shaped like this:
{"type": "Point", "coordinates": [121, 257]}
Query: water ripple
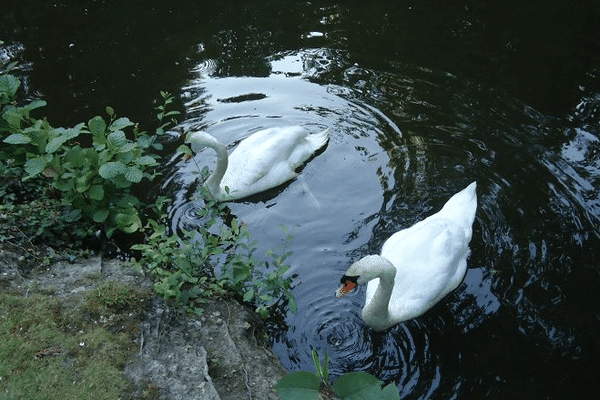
{"type": "Point", "coordinates": [538, 207]}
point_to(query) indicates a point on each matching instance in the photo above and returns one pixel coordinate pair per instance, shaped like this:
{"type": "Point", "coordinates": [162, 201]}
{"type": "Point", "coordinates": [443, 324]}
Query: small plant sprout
{"type": "Point", "coordinates": [322, 369]}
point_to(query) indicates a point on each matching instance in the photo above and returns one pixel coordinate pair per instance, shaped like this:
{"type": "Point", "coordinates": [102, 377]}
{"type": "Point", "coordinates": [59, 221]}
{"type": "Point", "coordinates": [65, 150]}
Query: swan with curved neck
{"type": "Point", "coordinates": [417, 267]}
{"type": "Point", "coordinates": [264, 160]}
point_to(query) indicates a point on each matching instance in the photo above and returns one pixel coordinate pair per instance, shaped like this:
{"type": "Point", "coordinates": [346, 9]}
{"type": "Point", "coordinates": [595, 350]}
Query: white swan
{"type": "Point", "coordinates": [263, 160]}
{"type": "Point", "coordinates": [417, 266]}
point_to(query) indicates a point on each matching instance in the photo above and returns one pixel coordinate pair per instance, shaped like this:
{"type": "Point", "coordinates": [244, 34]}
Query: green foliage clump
{"type": "Point", "coordinates": [95, 180]}
{"type": "Point", "coordinates": [203, 264]}
{"type": "Point", "coordinates": [31, 216]}
{"type": "Point", "coordinates": [30, 211]}
{"type": "Point", "coordinates": [303, 385]}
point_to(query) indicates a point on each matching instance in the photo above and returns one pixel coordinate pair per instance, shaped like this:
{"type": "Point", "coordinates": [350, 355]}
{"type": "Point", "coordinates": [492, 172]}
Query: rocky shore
{"type": "Point", "coordinates": [219, 355]}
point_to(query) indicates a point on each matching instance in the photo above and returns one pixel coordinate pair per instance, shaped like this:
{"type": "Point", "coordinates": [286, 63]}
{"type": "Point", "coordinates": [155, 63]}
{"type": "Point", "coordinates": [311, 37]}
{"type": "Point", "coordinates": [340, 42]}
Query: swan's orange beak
{"type": "Point", "coordinates": [345, 288]}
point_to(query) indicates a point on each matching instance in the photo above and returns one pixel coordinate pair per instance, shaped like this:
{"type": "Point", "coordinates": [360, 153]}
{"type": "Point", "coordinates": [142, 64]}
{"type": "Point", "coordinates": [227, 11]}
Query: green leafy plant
{"type": "Point", "coordinates": [303, 385]}
{"type": "Point", "coordinates": [214, 257]}
{"type": "Point", "coordinates": [31, 215]}
{"type": "Point", "coordinates": [176, 266]}
{"type": "Point", "coordinates": [96, 180]}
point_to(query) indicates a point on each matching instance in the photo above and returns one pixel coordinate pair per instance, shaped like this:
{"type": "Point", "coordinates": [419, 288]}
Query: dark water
{"type": "Point", "coordinates": [423, 98]}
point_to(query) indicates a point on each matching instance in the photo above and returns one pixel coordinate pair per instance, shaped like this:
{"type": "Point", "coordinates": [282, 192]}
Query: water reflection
{"type": "Point", "coordinates": [537, 207]}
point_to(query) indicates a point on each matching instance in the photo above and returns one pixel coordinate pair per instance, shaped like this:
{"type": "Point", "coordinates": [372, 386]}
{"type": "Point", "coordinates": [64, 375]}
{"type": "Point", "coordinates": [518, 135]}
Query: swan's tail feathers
{"type": "Point", "coordinates": [462, 206]}
{"type": "Point", "coordinates": [319, 140]}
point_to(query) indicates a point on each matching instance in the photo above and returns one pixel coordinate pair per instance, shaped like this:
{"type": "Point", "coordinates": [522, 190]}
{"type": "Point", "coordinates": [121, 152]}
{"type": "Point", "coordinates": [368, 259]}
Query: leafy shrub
{"type": "Point", "coordinates": [95, 180]}
{"type": "Point", "coordinates": [203, 264]}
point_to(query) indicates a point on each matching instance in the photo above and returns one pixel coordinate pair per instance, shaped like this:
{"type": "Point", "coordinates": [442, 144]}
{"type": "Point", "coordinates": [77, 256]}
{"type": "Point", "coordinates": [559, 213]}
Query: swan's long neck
{"type": "Point", "coordinates": [213, 183]}
{"type": "Point", "coordinates": [376, 313]}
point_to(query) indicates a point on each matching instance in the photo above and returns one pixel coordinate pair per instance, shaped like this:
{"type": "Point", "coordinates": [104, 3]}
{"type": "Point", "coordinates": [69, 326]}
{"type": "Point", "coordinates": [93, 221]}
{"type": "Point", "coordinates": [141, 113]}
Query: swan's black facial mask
{"type": "Point", "coordinates": [349, 283]}
{"type": "Point", "coordinates": [346, 278]}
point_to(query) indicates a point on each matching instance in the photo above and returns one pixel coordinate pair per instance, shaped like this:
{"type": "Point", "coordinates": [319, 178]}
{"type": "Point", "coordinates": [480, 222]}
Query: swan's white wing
{"type": "Point", "coordinates": [258, 156]}
{"type": "Point", "coordinates": [264, 160]}
{"type": "Point", "coordinates": [306, 146]}
{"type": "Point", "coordinates": [428, 257]}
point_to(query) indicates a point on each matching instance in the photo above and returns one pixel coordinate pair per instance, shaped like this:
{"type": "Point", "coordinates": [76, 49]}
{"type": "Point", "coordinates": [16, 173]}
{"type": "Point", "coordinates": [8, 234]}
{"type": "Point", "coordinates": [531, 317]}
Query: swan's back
{"type": "Point", "coordinates": [269, 158]}
{"type": "Point", "coordinates": [430, 257]}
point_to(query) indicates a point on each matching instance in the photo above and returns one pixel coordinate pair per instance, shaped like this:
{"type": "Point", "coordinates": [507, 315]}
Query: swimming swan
{"type": "Point", "coordinates": [417, 266]}
{"type": "Point", "coordinates": [263, 160]}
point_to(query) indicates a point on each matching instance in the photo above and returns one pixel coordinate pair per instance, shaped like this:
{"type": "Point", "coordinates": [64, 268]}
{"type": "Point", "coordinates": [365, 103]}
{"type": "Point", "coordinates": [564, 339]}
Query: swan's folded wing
{"type": "Point", "coordinates": [427, 257]}
{"type": "Point", "coordinates": [255, 168]}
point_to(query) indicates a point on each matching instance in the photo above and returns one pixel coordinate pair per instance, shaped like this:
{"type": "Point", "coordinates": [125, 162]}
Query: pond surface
{"type": "Point", "coordinates": [422, 100]}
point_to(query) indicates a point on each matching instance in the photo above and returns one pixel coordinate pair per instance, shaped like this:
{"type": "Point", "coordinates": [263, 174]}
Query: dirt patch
{"type": "Point", "coordinates": [220, 355]}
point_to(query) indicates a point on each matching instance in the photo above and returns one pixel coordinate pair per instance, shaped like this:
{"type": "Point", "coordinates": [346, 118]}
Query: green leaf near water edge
{"type": "Point", "coordinates": [300, 385]}
{"type": "Point", "coordinates": [120, 123]}
{"type": "Point", "coordinates": [363, 386]}
{"type": "Point", "coordinates": [134, 175]}
{"type": "Point", "coordinates": [8, 86]}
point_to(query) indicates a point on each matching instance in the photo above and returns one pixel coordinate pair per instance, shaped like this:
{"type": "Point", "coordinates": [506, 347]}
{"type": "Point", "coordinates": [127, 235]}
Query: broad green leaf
{"type": "Point", "coordinates": [55, 143]}
{"type": "Point", "coordinates": [133, 174]}
{"type": "Point", "coordinates": [97, 126]}
{"type": "Point", "coordinates": [83, 183]}
{"type": "Point", "coordinates": [116, 140]}
{"type": "Point", "coordinates": [185, 150]}
{"type": "Point", "coordinates": [128, 222]}
{"type": "Point", "coordinates": [145, 160]}
{"type": "Point", "coordinates": [96, 192]}
{"type": "Point", "coordinates": [100, 215]}
{"type": "Point", "coordinates": [125, 158]}
{"type": "Point", "coordinates": [33, 105]}
{"type": "Point", "coordinates": [300, 385]}
{"type": "Point", "coordinates": [75, 157]}
{"type": "Point", "coordinates": [9, 85]}
{"type": "Point", "coordinates": [34, 166]}
{"type": "Point", "coordinates": [128, 201]}
{"type": "Point", "coordinates": [62, 136]}
{"type": "Point", "coordinates": [17, 138]}
{"type": "Point", "coordinates": [120, 123]}
{"type": "Point", "coordinates": [12, 116]}
{"type": "Point", "coordinates": [64, 185]}
{"type": "Point", "coordinates": [144, 141]}
{"type": "Point", "coordinates": [112, 169]}
{"type": "Point", "coordinates": [362, 386]}
{"type": "Point", "coordinates": [133, 227]}
{"type": "Point", "coordinates": [120, 182]}
{"type": "Point", "coordinates": [249, 295]}
{"type": "Point", "coordinates": [127, 147]}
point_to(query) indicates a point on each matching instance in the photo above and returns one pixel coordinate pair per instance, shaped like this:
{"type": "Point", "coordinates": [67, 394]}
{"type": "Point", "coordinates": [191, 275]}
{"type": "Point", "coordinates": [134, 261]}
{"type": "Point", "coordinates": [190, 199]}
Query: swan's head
{"type": "Point", "coordinates": [198, 140]}
{"type": "Point", "coordinates": [361, 272]}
